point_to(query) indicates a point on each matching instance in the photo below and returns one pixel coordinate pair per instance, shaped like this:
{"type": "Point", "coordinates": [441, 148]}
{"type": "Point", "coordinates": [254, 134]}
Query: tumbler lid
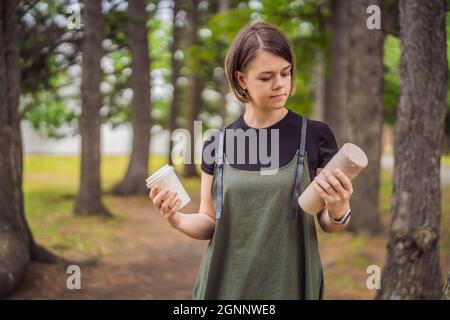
{"type": "Point", "coordinates": [355, 155]}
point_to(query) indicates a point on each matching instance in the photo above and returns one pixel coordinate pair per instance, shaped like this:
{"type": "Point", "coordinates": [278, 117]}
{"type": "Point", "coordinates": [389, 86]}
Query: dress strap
{"type": "Point", "coordinates": [299, 174]}
{"type": "Point", "coordinates": [220, 175]}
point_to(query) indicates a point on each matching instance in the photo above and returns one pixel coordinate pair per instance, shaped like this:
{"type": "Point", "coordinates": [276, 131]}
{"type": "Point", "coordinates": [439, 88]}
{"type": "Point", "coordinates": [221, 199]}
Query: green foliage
{"type": "Point", "coordinates": [49, 115]}
{"type": "Point", "coordinates": [44, 70]}
{"type": "Point", "coordinates": [298, 19]}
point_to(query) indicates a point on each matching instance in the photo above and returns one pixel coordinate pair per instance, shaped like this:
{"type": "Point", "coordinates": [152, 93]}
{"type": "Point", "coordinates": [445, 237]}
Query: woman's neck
{"type": "Point", "coordinates": [256, 118]}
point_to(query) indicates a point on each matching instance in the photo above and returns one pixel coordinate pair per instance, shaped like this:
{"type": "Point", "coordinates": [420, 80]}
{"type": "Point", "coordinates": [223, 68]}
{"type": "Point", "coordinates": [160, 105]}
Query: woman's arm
{"type": "Point", "coordinates": [198, 225]}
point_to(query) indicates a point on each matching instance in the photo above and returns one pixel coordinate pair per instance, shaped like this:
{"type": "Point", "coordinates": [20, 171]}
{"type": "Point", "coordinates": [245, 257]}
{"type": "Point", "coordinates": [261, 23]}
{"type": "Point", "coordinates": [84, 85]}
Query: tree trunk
{"type": "Point", "coordinates": [224, 5]}
{"type": "Point", "coordinates": [194, 88]}
{"type": "Point", "coordinates": [412, 270]}
{"type": "Point", "coordinates": [176, 66]}
{"type": "Point", "coordinates": [335, 113]}
{"type": "Point", "coordinates": [14, 233]}
{"type": "Point", "coordinates": [134, 180]}
{"type": "Point", "coordinates": [318, 79]}
{"type": "Point", "coordinates": [365, 113]}
{"type": "Point", "coordinates": [17, 246]}
{"type": "Point", "coordinates": [89, 201]}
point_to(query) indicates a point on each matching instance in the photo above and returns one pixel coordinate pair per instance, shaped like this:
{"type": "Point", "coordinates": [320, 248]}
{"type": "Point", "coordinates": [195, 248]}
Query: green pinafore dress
{"type": "Point", "coordinates": [264, 246]}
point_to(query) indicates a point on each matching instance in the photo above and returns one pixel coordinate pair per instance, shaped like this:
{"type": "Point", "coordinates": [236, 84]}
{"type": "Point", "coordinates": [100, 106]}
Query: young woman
{"type": "Point", "coordinates": [262, 245]}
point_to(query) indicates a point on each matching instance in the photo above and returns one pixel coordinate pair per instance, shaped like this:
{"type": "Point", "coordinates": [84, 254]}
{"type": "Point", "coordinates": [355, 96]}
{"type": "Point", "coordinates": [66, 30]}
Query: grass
{"type": "Point", "coordinates": [445, 160]}
{"type": "Point", "coordinates": [51, 184]}
{"type": "Point", "coordinates": [50, 187]}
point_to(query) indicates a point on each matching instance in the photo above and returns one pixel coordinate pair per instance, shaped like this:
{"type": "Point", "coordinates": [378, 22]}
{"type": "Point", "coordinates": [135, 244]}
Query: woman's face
{"type": "Point", "coordinates": [267, 79]}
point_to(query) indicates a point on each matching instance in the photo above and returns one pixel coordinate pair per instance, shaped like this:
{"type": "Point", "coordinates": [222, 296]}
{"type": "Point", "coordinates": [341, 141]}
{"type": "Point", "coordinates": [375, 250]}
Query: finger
{"type": "Point", "coordinates": [154, 191]}
{"type": "Point", "coordinates": [324, 185]}
{"type": "Point", "coordinates": [173, 210]}
{"type": "Point", "coordinates": [176, 206]}
{"type": "Point", "coordinates": [173, 202]}
{"type": "Point", "coordinates": [159, 198]}
{"type": "Point", "coordinates": [346, 182]}
{"type": "Point", "coordinates": [167, 201]}
{"type": "Point", "coordinates": [322, 193]}
{"type": "Point", "coordinates": [335, 183]}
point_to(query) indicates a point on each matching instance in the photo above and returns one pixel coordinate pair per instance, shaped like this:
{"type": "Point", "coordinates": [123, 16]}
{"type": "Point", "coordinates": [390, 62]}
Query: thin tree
{"type": "Point", "coordinates": [17, 245]}
{"type": "Point", "coordinates": [365, 112]}
{"type": "Point", "coordinates": [224, 5]}
{"type": "Point", "coordinates": [412, 269]}
{"type": "Point", "coordinates": [335, 113]}
{"type": "Point", "coordinates": [194, 87]}
{"type": "Point", "coordinates": [134, 180]}
{"type": "Point", "coordinates": [89, 200]}
{"type": "Point", "coordinates": [318, 81]}
{"type": "Point", "coordinates": [177, 33]}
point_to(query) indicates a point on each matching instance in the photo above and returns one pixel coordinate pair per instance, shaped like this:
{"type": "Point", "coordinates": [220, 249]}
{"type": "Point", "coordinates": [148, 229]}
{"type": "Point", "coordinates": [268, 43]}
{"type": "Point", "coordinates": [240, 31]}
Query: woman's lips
{"type": "Point", "coordinates": [279, 97]}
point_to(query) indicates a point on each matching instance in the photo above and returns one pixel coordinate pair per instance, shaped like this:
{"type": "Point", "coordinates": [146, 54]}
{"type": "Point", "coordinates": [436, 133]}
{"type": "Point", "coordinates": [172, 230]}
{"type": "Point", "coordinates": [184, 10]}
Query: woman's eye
{"type": "Point", "coordinates": [284, 75]}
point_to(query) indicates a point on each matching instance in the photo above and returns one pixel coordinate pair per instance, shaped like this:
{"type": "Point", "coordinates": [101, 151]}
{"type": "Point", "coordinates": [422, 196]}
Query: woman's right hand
{"type": "Point", "coordinates": [167, 203]}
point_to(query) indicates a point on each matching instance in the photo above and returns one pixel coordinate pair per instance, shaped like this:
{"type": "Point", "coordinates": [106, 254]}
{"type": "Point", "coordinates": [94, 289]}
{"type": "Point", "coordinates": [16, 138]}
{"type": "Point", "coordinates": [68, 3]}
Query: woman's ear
{"type": "Point", "coordinates": [241, 79]}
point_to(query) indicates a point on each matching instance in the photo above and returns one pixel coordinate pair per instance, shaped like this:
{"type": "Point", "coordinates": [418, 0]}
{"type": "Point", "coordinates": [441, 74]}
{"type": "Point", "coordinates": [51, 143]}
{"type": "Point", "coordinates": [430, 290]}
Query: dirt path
{"type": "Point", "coordinates": [150, 260]}
{"type": "Point", "coordinates": [147, 259]}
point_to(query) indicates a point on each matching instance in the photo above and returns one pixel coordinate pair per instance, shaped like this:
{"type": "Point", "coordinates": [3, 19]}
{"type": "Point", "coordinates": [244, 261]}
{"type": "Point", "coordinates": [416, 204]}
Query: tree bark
{"type": "Point", "coordinates": [412, 270]}
{"type": "Point", "coordinates": [176, 66]}
{"type": "Point", "coordinates": [89, 201]}
{"type": "Point", "coordinates": [17, 246]}
{"type": "Point", "coordinates": [194, 88]}
{"type": "Point", "coordinates": [335, 113]}
{"type": "Point", "coordinates": [365, 113]}
{"type": "Point", "coordinates": [134, 180]}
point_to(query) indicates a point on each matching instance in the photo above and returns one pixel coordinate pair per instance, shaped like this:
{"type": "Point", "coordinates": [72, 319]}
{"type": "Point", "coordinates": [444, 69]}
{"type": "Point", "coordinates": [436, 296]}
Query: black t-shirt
{"type": "Point", "coordinates": [320, 144]}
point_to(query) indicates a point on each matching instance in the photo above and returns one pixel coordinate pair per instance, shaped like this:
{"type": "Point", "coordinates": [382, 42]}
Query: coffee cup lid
{"type": "Point", "coordinates": [158, 174]}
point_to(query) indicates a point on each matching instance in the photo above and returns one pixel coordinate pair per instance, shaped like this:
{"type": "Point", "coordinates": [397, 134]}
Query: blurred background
{"type": "Point", "coordinates": [92, 90]}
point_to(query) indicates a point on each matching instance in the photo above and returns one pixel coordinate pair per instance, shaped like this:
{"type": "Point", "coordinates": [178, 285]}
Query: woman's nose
{"type": "Point", "coordinates": [278, 82]}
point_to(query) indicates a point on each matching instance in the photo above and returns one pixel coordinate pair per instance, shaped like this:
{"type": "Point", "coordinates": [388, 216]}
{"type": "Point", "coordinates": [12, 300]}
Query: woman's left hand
{"type": "Point", "coordinates": [335, 189]}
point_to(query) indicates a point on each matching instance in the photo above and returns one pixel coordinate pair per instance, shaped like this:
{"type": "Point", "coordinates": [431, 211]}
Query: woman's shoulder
{"type": "Point", "coordinates": [314, 127]}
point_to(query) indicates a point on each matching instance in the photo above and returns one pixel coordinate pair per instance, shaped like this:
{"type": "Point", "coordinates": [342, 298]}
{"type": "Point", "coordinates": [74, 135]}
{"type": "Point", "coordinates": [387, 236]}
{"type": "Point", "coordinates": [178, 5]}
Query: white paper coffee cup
{"type": "Point", "coordinates": [166, 178]}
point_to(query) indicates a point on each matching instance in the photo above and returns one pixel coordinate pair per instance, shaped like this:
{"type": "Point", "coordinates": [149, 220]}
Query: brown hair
{"type": "Point", "coordinates": [256, 36]}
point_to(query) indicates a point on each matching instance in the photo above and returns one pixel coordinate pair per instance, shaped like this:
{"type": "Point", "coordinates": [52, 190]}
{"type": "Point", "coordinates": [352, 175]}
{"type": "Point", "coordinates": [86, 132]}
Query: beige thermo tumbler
{"type": "Point", "coordinates": [350, 159]}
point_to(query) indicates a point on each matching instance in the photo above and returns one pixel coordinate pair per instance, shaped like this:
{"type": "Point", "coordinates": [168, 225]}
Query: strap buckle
{"type": "Point", "coordinates": [220, 161]}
